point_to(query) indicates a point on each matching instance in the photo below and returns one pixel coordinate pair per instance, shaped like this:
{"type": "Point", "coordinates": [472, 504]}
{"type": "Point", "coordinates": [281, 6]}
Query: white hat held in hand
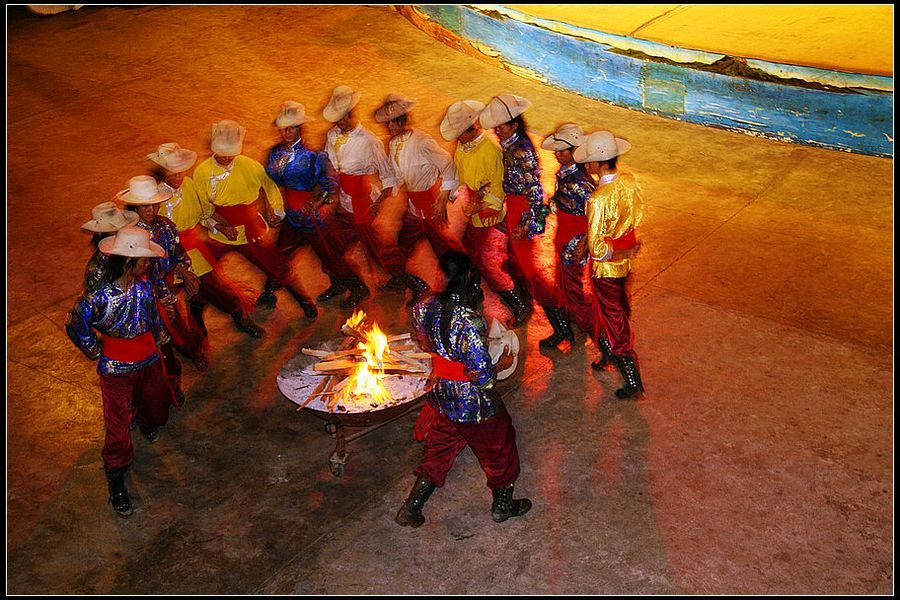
{"type": "Point", "coordinates": [600, 146]}
{"type": "Point", "coordinates": [394, 106]}
{"type": "Point", "coordinates": [108, 217]}
{"type": "Point", "coordinates": [133, 242]}
{"type": "Point", "coordinates": [291, 114]}
{"type": "Point", "coordinates": [503, 108]}
{"type": "Point", "coordinates": [460, 116]}
{"type": "Point", "coordinates": [142, 190]}
{"type": "Point", "coordinates": [342, 101]}
{"type": "Point", "coordinates": [568, 137]}
{"type": "Point", "coordinates": [173, 158]}
{"type": "Point", "coordinates": [500, 338]}
{"type": "Point", "coordinates": [227, 138]}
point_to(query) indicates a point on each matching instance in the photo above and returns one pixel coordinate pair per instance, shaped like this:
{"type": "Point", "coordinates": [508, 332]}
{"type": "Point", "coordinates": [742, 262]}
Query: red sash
{"type": "Point", "coordinates": [359, 188]}
{"type": "Point", "coordinates": [129, 350]}
{"type": "Point", "coordinates": [447, 369]}
{"type": "Point", "coordinates": [425, 199]}
{"type": "Point", "coordinates": [246, 215]}
{"type": "Point", "coordinates": [296, 200]}
{"type": "Point", "coordinates": [192, 239]}
{"type": "Point", "coordinates": [487, 213]}
{"type": "Point", "coordinates": [567, 227]}
{"type": "Point", "coordinates": [516, 206]}
{"type": "Point", "coordinates": [623, 242]}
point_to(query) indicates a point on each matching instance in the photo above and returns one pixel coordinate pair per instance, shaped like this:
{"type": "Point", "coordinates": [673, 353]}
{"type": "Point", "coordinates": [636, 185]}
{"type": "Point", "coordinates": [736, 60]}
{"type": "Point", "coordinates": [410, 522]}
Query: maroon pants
{"type": "Point", "coordinates": [142, 395]}
{"type": "Point", "coordinates": [265, 257]}
{"type": "Point", "coordinates": [523, 267]}
{"type": "Point", "coordinates": [413, 230]}
{"type": "Point", "coordinates": [343, 230]}
{"type": "Point", "coordinates": [487, 246]}
{"type": "Point", "coordinates": [493, 441]}
{"type": "Point", "coordinates": [187, 337]}
{"type": "Point", "coordinates": [613, 311]}
{"type": "Point", "coordinates": [570, 279]}
{"type": "Point", "coordinates": [333, 263]}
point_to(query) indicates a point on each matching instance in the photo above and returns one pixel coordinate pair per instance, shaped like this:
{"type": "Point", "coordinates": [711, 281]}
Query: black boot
{"type": "Point", "coordinates": [246, 325]}
{"type": "Point", "coordinates": [196, 309]}
{"type": "Point", "coordinates": [332, 291]}
{"type": "Point", "coordinates": [359, 291]}
{"type": "Point", "coordinates": [633, 385]}
{"type": "Point", "coordinates": [607, 358]}
{"type": "Point", "coordinates": [118, 494]}
{"type": "Point", "coordinates": [268, 297]}
{"type": "Point", "coordinates": [418, 286]}
{"type": "Point", "coordinates": [396, 282]}
{"type": "Point", "coordinates": [151, 434]}
{"type": "Point", "coordinates": [515, 301]}
{"type": "Point", "coordinates": [505, 506]}
{"type": "Point", "coordinates": [411, 511]}
{"type": "Point", "coordinates": [559, 320]}
{"type": "Point", "coordinates": [308, 306]}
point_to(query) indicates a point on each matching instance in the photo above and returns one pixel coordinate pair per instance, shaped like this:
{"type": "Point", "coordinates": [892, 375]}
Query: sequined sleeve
{"type": "Point", "coordinates": [474, 350]}
{"type": "Point", "coordinates": [523, 178]}
{"type": "Point", "coordinates": [78, 326]}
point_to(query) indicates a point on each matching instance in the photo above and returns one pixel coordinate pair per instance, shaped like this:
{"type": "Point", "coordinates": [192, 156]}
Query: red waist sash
{"type": "Point", "coordinates": [192, 239]}
{"type": "Point", "coordinates": [486, 213]}
{"type": "Point", "coordinates": [295, 200]}
{"type": "Point", "coordinates": [567, 227]}
{"type": "Point", "coordinates": [425, 199]}
{"type": "Point", "coordinates": [623, 242]}
{"type": "Point", "coordinates": [129, 350]}
{"type": "Point", "coordinates": [447, 369]}
{"type": "Point", "coordinates": [246, 215]}
{"type": "Point", "coordinates": [359, 188]}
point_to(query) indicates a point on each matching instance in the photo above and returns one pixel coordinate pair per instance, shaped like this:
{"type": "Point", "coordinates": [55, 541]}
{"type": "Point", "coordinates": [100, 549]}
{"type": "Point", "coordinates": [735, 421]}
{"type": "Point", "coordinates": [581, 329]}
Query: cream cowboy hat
{"type": "Point", "coordinates": [460, 117]}
{"type": "Point", "coordinates": [500, 338]}
{"type": "Point", "coordinates": [342, 101]}
{"type": "Point", "coordinates": [394, 106]}
{"type": "Point", "coordinates": [568, 137]}
{"type": "Point", "coordinates": [142, 190]}
{"type": "Point", "coordinates": [227, 138]}
{"type": "Point", "coordinates": [132, 242]}
{"type": "Point", "coordinates": [599, 146]}
{"type": "Point", "coordinates": [108, 217]}
{"type": "Point", "coordinates": [503, 108]}
{"type": "Point", "coordinates": [173, 158]}
{"type": "Point", "coordinates": [291, 114]}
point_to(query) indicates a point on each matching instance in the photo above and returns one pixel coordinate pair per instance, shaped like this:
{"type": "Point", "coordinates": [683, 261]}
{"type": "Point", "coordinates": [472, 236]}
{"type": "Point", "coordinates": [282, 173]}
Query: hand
{"type": "Point", "coordinates": [191, 283]}
{"type": "Point", "coordinates": [518, 232]}
{"type": "Point", "coordinates": [580, 251]}
{"type": "Point", "coordinates": [271, 218]}
{"type": "Point", "coordinates": [228, 231]}
{"type": "Point", "coordinates": [623, 253]}
{"type": "Point", "coordinates": [505, 361]}
{"type": "Point", "coordinates": [439, 211]}
{"type": "Point", "coordinates": [170, 311]}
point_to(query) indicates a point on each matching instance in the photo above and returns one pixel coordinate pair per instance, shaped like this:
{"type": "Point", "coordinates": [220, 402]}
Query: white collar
{"type": "Point", "coordinates": [608, 178]}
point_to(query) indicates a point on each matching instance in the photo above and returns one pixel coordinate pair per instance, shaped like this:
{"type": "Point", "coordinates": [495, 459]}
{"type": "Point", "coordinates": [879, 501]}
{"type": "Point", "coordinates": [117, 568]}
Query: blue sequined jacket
{"type": "Point", "coordinates": [573, 188]}
{"type": "Point", "coordinates": [296, 167]}
{"type": "Point", "coordinates": [114, 312]}
{"type": "Point", "coordinates": [522, 177]}
{"type": "Point", "coordinates": [165, 233]}
{"type": "Point", "coordinates": [459, 401]}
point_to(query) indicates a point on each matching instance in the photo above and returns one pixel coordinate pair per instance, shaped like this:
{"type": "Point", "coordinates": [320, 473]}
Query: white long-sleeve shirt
{"type": "Point", "coordinates": [359, 152]}
{"type": "Point", "coordinates": [418, 160]}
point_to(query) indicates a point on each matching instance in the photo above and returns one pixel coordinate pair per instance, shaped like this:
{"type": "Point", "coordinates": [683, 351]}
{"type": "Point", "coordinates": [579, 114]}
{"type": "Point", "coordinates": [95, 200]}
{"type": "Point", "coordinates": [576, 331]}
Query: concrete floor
{"type": "Point", "coordinates": [759, 462]}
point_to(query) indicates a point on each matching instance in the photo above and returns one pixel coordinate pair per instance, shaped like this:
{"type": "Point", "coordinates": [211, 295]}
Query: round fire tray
{"type": "Point", "coordinates": [298, 379]}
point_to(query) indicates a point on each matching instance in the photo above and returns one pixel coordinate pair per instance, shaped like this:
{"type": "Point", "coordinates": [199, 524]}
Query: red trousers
{"type": "Point", "coordinates": [487, 246]}
{"type": "Point", "coordinates": [570, 280]}
{"type": "Point", "coordinates": [267, 259]}
{"type": "Point", "coordinates": [333, 263]}
{"type": "Point", "coordinates": [493, 441]}
{"type": "Point", "coordinates": [223, 293]}
{"type": "Point", "coordinates": [612, 311]}
{"type": "Point", "coordinates": [344, 231]}
{"type": "Point", "coordinates": [186, 335]}
{"type": "Point", "coordinates": [142, 395]}
{"type": "Point", "coordinates": [413, 230]}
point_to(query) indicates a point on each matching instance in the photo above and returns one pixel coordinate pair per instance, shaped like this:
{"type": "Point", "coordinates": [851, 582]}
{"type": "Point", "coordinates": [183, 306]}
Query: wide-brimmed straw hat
{"type": "Point", "coordinates": [460, 117]}
{"type": "Point", "coordinates": [108, 217]}
{"type": "Point", "coordinates": [227, 138]}
{"type": "Point", "coordinates": [342, 101]}
{"type": "Point", "coordinates": [394, 106]}
{"type": "Point", "coordinates": [143, 190]}
{"type": "Point", "coordinates": [291, 114]}
{"type": "Point", "coordinates": [503, 108]}
{"type": "Point", "coordinates": [600, 146]}
{"type": "Point", "coordinates": [133, 242]}
{"type": "Point", "coordinates": [173, 158]}
{"type": "Point", "coordinates": [568, 137]}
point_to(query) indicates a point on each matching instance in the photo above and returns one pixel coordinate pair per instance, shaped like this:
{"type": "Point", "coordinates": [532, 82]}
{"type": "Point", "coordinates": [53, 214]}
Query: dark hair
{"type": "Point", "coordinates": [116, 266]}
{"type": "Point", "coordinates": [520, 121]}
{"type": "Point", "coordinates": [463, 287]}
{"type": "Point", "coordinates": [611, 163]}
{"type": "Point", "coordinates": [401, 120]}
{"type": "Point", "coordinates": [158, 173]}
{"type": "Point", "coordinates": [96, 237]}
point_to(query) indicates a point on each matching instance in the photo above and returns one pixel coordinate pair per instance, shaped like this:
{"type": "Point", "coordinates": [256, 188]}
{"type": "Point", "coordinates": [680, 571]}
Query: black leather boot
{"type": "Point", "coordinates": [196, 309]}
{"type": "Point", "coordinates": [607, 358]}
{"type": "Point", "coordinates": [268, 297]}
{"type": "Point", "coordinates": [418, 286]}
{"type": "Point", "coordinates": [396, 282]}
{"type": "Point", "coordinates": [633, 385]}
{"type": "Point", "coordinates": [359, 291]}
{"type": "Point", "coordinates": [515, 301]}
{"type": "Point", "coordinates": [332, 291]}
{"type": "Point", "coordinates": [118, 494]}
{"type": "Point", "coordinates": [562, 331]}
{"type": "Point", "coordinates": [410, 514]}
{"type": "Point", "coordinates": [505, 506]}
{"type": "Point", "coordinates": [246, 325]}
{"type": "Point", "coordinates": [308, 306]}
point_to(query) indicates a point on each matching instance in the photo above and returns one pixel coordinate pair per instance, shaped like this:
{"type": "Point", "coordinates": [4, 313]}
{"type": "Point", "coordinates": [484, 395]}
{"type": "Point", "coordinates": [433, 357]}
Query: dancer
{"type": "Point", "coordinates": [107, 220]}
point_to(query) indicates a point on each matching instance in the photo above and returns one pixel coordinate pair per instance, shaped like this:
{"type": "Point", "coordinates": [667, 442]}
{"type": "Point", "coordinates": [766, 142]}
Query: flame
{"type": "Point", "coordinates": [355, 319]}
{"type": "Point", "coordinates": [366, 380]}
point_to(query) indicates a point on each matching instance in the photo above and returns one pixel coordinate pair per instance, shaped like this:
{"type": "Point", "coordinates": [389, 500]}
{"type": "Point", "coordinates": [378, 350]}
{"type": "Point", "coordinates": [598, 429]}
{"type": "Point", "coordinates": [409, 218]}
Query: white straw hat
{"type": "Point", "coordinates": [500, 338]}
{"type": "Point", "coordinates": [342, 101]}
{"type": "Point", "coordinates": [460, 117]}
{"type": "Point", "coordinates": [133, 242]}
{"type": "Point", "coordinates": [503, 108]}
{"type": "Point", "coordinates": [227, 138]}
{"type": "Point", "coordinates": [108, 217]}
{"type": "Point", "coordinates": [394, 106]}
{"type": "Point", "coordinates": [599, 146]}
{"type": "Point", "coordinates": [143, 190]}
{"type": "Point", "coordinates": [568, 137]}
{"type": "Point", "coordinates": [173, 158]}
{"type": "Point", "coordinates": [291, 114]}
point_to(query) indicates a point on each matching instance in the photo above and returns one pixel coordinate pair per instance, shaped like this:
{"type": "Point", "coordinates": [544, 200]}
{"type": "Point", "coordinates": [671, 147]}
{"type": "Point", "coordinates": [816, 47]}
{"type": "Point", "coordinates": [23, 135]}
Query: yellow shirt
{"type": "Point", "coordinates": [479, 163]}
{"type": "Point", "coordinates": [186, 210]}
{"type": "Point", "coordinates": [613, 210]}
{"type": "Point", "coordinates": [242, 186]}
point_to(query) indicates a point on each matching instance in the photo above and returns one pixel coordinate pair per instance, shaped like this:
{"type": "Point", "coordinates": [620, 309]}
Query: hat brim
{"type": "Point", "coordinates": [178, 168]}
{"type": "Point", "coordinates": [125, 197]}
{"type": "Point", "coordinates": [95, 226]}
{"type": "Point", "coordinates": [556, 145]}
{"type": "Point", "coordinates": [282, 123]}
{"type": "Point", "coordinates": [333, 114]}
{"type": "Point", "coordinates": [108, 246]}
{"type": "Point", "coordinates": [582, 155]}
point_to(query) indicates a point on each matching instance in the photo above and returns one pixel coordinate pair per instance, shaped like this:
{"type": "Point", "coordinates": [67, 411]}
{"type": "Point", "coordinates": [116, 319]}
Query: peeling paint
{"type": "Point", "coordinates": [854, 134]}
